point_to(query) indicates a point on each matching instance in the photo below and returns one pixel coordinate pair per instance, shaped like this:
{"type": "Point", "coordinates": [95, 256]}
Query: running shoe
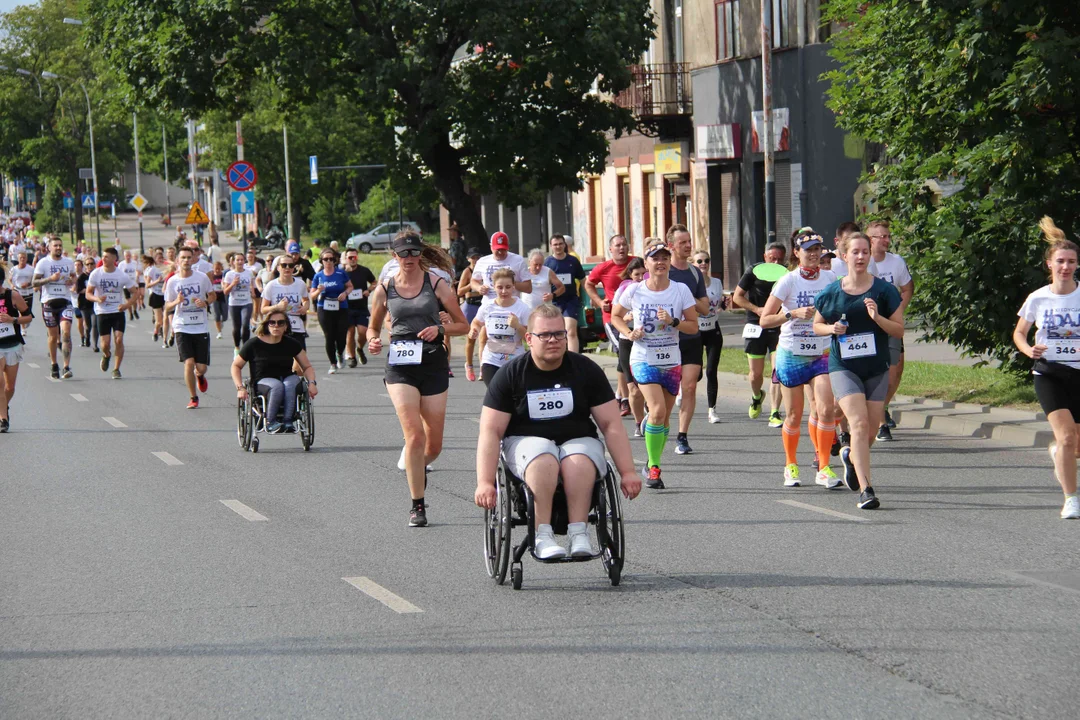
{"type": "Point", "coordinates": [775, 421]}
{"type": "Point", "coordinates": [219, 336]}
{"type": "Point", "coordinates": [105, 359]}
{"type": "Point", "coordinates": [637, 431]}
{"type": "Point", "coordinates": [713, 417]}
{"type": "Point", "coordinates": [827, 478]}
{"type": "Point", "coordinates": [845, 439]}
{"type": "Point", "coordinates": [193, 404]}
{"type": "Point", "coordinates": [889, 422]}
{"type": "Point", "coordinates": [755, 406]}
{"type": "Point", "coordinates": [884, 434]}
{"type": "Point", "coordinates": [274, 428]}
{"type": "Point", "coordinates": [67, 374]}
{"type": "Point", "coordinates": [1070, 511]}
{"type": "Point", "coordinates": [851, 478]}
{"type": "Point", "coordinates": [682, 446]}
{"type": "Point", "coordinates": [137, 317]}
{"type": "Point", "coordinates": [333, 370]}
{"type": "Point", "coordinates": [4, 425]}
{"type": "Point", "coordinates": [791, 476]}
{"type": "Point", "coordinates": [868, 500]}
{"type": "Point", "coordinates": [363, 358]}
{"type": "Point", "coordinates": [652, 479]}
{"type": "Point", "coordinates": [835, 445]}
{"type": "Point", "coordinates": [579, 540]}
{"type": "Point", "coordinates": [156, 333]}
{"type": "Point", "coordinates": [418, 517]}
{"type": "Point", "coordinates": [164, 345]}
{"type": "Point", "coordinates": [450, 372]}
{"type": "Point", "coordinates": [401, 462]}
{"type": "Point", "coordinates": [641, 427]}
{"type": "Point", "coordinates": [678, 399]}
{"type": "Point", "coordinates": [55, 372]}
{"type": "Point", "coordinates": [469, 374]}
{"type": "Point", "coordinates": [340, 361]}
{"type": "Point", "coordinates": [624, 407]}
{"type": "Point", "coordinates": [96, 348]}
{"type": "Point", "coordinates": [352, 362]}
{"type": "Point", "coordinates": [203, 384]}
{"type": "Point", "coordinates": [116, 374]}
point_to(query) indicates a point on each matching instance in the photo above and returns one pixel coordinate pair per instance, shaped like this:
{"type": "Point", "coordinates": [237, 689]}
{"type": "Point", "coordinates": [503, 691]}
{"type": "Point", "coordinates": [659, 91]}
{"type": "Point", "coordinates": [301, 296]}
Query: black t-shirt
{"type": "Point", "coordinates": [361, 278]}
{"type": "Point", "coordinates": [7, 306]}
{"type": "Point", "coordinates": [80, 288]}
{"type": "Point", "coordinates": [757, 292]}
{"type": "Point", "coordinates": [537, 400]}
{"type": "Point", "coordinates": [270, 360]}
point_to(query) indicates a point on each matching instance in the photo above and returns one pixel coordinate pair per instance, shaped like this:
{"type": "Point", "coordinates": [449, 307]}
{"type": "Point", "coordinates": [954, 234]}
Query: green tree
{"type": "Point", "coordinates": [987, 97]}
{"type": "Point", "coordinates": [381, 205]}
{"type": "Point", "coordinates": [492, 98]}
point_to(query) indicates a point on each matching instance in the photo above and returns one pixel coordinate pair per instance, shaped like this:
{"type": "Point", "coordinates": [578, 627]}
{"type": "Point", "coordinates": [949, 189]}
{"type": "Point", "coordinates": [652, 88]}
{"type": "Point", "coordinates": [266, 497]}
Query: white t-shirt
{"type": "Point", "coordinates": [487, 265]}
{"type": "Point", "coordinates": [618, 300]}
{"type": "Point", "coordinates": [152, 273]}
{"type": "Point", "coordinates": [1057, 319]}
{"type": "Point", "coordinates": [542, 283]}
{"type": "Point", "coordinates": [241, 293]}
{"type": "Point", "coordinates": [794, 291]}
{"type": "Point", "coordinates": [392, 266]}
{"type": "Point", "coordinates": [206, 268]}
{"type": "Point", "coordinates": [131, 269]}
{"type": "Point", "coordinates": [715, 292]}
{"type": "Point", "coordinates": [294, 293]}
{"type": "Point", "coordinates": [23, 276]}
{"type": "Point", "coordinates": [109, 285]}
{"type": "Point", "coordinates": [660, 345]}
{"type": "Point", "coordinates": [255, 267]}
{"type": "Point", "coordinates": [56, 290]}
{"type": "Point", "coordinates": [892, 269]}
{"type": "Point", "coordinates": [503, 343]}
{"type": "Point", "coordinates": [186, 317]}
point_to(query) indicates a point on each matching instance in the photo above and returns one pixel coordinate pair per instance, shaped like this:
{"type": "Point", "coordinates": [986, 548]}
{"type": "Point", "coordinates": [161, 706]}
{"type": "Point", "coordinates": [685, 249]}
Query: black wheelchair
{"type": "Point", "coordinates": [514, 507]}
{"type": "Point", "coordinates": [251, 417]}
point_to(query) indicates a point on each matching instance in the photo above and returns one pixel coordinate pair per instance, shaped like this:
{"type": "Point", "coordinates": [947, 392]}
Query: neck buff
{"type": "Point", "coordinates": [809, 274]}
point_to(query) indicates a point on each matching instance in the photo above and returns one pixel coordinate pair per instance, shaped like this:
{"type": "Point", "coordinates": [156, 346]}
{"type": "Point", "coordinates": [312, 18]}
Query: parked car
{"type": "Point", "coordinates": [591, 319]}
{"type": "Point", "coordinates": [379, 237]}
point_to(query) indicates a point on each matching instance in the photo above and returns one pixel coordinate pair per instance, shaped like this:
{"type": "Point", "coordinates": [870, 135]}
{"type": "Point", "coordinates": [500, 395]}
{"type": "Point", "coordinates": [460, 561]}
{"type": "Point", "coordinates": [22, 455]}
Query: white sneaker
{"type": "Point", "coordinates": [545, 546]}
{"type": "Point", "coordinates": [219, 336]}
{"type": "Point", "coordinates": [579, 540]}
{"type": "Point", "coordinates": [713, 417]}
{"type": "Point", "coordinates": [1052, 449]}
{"type": "Point", "coordinates": [1071, 510]}
{"type": "Point", "coordinates": [401, 462]}
{"type": "Point", "coordinates": [333, 370]}
{"type": "Point", "coordinates": [678, 399]}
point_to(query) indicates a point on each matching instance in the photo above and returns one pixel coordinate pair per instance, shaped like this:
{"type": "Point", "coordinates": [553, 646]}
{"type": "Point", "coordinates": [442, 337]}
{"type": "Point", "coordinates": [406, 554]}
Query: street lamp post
{"type": "Point", "coordinates": [93, 157]}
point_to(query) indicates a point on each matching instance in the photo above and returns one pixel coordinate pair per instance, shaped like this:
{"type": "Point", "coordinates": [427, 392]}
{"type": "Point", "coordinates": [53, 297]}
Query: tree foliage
{"type": "Point", "coordinates": [978, 92]}
{"type": "Point", "coordinates": [486, 95]}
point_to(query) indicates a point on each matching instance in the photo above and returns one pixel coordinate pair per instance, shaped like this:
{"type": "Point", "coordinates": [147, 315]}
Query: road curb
{"type": "Point", "coordinates": [1016, 428]}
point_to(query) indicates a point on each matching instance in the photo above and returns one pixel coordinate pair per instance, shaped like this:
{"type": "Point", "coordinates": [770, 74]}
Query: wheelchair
{"type": "Point", "coordinates": [514, 508]}
{"type": "Point", "coordinates": [251, 417]}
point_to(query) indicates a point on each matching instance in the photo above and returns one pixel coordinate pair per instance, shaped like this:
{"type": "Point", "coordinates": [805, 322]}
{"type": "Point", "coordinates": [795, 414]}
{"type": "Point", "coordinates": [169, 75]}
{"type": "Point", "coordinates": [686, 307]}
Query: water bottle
{"type": "Point", "coordinates": [843, 319]}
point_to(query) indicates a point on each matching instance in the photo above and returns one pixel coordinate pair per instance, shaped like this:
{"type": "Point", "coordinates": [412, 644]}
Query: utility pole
{"type": "Point", "coordinates": [138, 184]}
{"type": "Point", "coordinates": [165, 153]}
{"type": "Point", "coordinates": [766, 124]}
{"type": "Point", "coordinates": [288, 192]}
{"type": "Point", "coordinates": [243, 218]}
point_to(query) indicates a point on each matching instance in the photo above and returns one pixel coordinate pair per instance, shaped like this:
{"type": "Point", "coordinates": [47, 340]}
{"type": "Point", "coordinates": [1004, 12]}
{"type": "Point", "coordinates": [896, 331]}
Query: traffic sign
{"type": "Point", "coordinates": [138, 202]}
{"type": "Point", "coordinates": [196, 216]}
{"type": "Point", "coordinates": [314, 162]}
{"type": "Point", "coordinates": [243, 202]}
{"type": "Point", "coordinates": [241, 175]}
{"type": "Point", "coordinates": [86, 173]}
{"type": "Point", "coordinates": [69, 203]}
{"type": "Point", "coordinates": [88, 200]}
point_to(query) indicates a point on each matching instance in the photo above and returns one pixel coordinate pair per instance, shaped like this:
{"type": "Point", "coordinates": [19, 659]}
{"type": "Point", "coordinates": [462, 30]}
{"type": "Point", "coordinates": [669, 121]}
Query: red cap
{"type": "Point", "coordinates": [500, 241]}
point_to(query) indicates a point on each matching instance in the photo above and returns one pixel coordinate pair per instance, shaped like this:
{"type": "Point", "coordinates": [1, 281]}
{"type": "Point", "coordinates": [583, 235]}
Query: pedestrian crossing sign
{"type": "Point", "coordinates": [196, 215]}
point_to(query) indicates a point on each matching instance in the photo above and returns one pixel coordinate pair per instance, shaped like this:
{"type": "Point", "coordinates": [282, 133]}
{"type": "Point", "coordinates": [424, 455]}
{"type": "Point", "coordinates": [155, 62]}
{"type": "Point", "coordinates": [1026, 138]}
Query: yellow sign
{"type": "Point", "coordinates": [196, 216]}
{"type": "Point", "coordinates": [671, 158]}
{"type": "Point", "coordinates": [139, 202]}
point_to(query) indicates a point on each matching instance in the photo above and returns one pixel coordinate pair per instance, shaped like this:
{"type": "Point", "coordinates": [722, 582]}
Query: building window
{"type": "Point", "coordinates": [779, 23]}
{"type": "Point", "coordinates": [727, 29]}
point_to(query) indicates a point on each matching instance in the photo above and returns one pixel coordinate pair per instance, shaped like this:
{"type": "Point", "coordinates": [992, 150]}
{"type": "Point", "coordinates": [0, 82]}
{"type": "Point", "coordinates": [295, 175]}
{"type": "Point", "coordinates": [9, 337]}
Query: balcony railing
{"type": "Point", "coordinates": [658, 90]}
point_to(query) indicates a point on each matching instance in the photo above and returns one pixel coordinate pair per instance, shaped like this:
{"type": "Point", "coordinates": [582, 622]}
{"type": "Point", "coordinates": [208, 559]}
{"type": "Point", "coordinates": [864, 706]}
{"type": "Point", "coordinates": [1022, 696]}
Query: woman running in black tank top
{"type": "Point", "coordinates": [417, 370]}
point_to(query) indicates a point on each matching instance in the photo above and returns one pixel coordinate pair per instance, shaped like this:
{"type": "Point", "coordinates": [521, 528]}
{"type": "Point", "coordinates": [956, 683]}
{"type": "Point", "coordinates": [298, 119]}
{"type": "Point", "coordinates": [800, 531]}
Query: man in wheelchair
{"type": "Point", "coordinates": [542, 406]}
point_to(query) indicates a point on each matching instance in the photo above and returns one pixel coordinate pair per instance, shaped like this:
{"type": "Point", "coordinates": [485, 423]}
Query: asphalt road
{"type": "Point", "coordinates": [141, 584]}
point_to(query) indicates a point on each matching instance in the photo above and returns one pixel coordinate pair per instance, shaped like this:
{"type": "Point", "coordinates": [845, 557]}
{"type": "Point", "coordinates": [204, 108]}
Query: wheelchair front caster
{"type": "Point", "coordinates": [615, 573]}
{"type": "Point", "coordinates": [515, 577]}
{"type": "Point", "coordinates": [255, 445]}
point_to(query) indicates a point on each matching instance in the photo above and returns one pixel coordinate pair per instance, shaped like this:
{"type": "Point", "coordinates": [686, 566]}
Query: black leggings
{"type": "Point", "coordinates": [241, 323]}
{"type": "Point", "coordinates": [335, 326]}
{"type": "Point", "coordinates": [713, 342]}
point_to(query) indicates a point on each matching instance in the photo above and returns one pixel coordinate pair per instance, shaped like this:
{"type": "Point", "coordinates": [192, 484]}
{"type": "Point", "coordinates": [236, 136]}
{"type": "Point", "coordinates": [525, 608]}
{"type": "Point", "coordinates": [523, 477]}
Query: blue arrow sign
{"type": "Point", "coordinates": [314, 162]}
{"type": "Point", "coordinates": [88, 200]}
{"type": "Point", "coordinates": [69, 203]}
{"type": "Point", "coordinates": [243, 202]}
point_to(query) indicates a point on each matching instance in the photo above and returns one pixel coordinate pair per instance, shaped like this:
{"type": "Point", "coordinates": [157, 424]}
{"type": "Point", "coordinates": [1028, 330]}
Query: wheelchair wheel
{"type": "Point", "coordinates": [609, 527]}
{"type": "Point", "coordinates": [307, 412]}
{"type": "Point", "coordinates": [515, 577]}
{"type": "Point", "coordinates": [497, 530]}
{"type": "Point", "coordinates": [254, 445]}
{"type": "Point", "coordinates": [245, 429]}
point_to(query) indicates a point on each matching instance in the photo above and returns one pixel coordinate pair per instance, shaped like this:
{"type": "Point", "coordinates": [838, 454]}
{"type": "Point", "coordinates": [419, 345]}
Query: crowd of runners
{"type": "Point", "coordinates": [830, 321]}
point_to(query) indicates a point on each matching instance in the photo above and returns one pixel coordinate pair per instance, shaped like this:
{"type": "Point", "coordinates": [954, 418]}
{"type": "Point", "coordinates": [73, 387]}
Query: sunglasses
{"type": "Point", "coordinates": [557, 336]}
{"type": "Point", "coordinates": [703, 261]}
{"type": "Point", "coordinates": [277, 323]}
{"type": "Point", "coordinates": [328, 259]}
{"type": "Point", "coordinates": [285, 266]}
{"type": "Point", "coordinates": [407, 253]}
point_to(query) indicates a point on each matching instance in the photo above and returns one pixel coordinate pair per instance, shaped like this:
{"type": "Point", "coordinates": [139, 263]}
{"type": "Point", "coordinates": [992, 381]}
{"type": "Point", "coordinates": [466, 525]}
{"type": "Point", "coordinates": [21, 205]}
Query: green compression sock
{"type": "Point", "coordinates": [655, 439]}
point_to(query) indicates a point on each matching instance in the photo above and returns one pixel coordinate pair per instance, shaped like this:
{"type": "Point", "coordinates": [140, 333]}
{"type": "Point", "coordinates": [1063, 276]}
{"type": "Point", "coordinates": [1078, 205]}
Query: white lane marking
{"type": "Point", "coordinates": [166, 458]}
{"type": "Point", "coordinates": [244, 511]}
{"type": "Point", "coordinates": [114, 422]}
{"type": "Point", "coordinates": [475, 420]}
{"type": "Point", "coordinates": [824, 511]}
{"type": "Point", "coordinates": [385, 395]}
{"type": "Point", "coordinates": [79, 398]}
{"type": "Point", "coordinates": [33, 365]}
{"type": "Point", "coordinates": [52, 379]}
{"type": "Point", "coordinates": [373, 590]}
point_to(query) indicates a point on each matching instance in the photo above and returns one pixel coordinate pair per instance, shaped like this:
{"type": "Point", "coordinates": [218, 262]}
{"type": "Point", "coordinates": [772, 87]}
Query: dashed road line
{"type": "Point", "coordinates": [33, 365]}
{"type": "Point", "coordinates": [166, 458]}
{"type": "Point", "coordinates": [377, 592]}
{"type": "Point", "coordinates": [79, 398]}
{"type": "Point", "coordinates": [824, 511]}
{"type": "Point", "coordinates": [244, 511]}
{"type": "Point", "coordinates": [116, 423]}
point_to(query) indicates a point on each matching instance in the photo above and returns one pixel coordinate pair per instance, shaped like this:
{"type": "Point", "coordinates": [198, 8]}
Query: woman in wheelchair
{"type": "Point", "coordinates": [271, 353]}
{"type": "Point", "coordinates": [544, 407]}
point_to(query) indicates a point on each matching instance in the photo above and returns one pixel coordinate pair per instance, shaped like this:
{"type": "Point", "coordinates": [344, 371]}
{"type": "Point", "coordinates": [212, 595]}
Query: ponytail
{"type": "Point", "coordinates": [1055, 238]}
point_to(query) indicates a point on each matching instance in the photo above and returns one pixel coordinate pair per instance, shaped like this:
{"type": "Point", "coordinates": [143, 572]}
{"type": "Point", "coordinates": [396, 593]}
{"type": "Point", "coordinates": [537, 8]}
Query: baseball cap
{"type": "Point", "coordinates": [500, 241]}
{"type": "Point", "coordinates": [828, 254]}
{"type": "Point", "coordinates": [475, 252]}
{"type": "Point", "coordinates": [292, 248]}
{"type": "Point", "coordinates": [407, 241]}
{"type": "Point", "coordinates": [657, 248]}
